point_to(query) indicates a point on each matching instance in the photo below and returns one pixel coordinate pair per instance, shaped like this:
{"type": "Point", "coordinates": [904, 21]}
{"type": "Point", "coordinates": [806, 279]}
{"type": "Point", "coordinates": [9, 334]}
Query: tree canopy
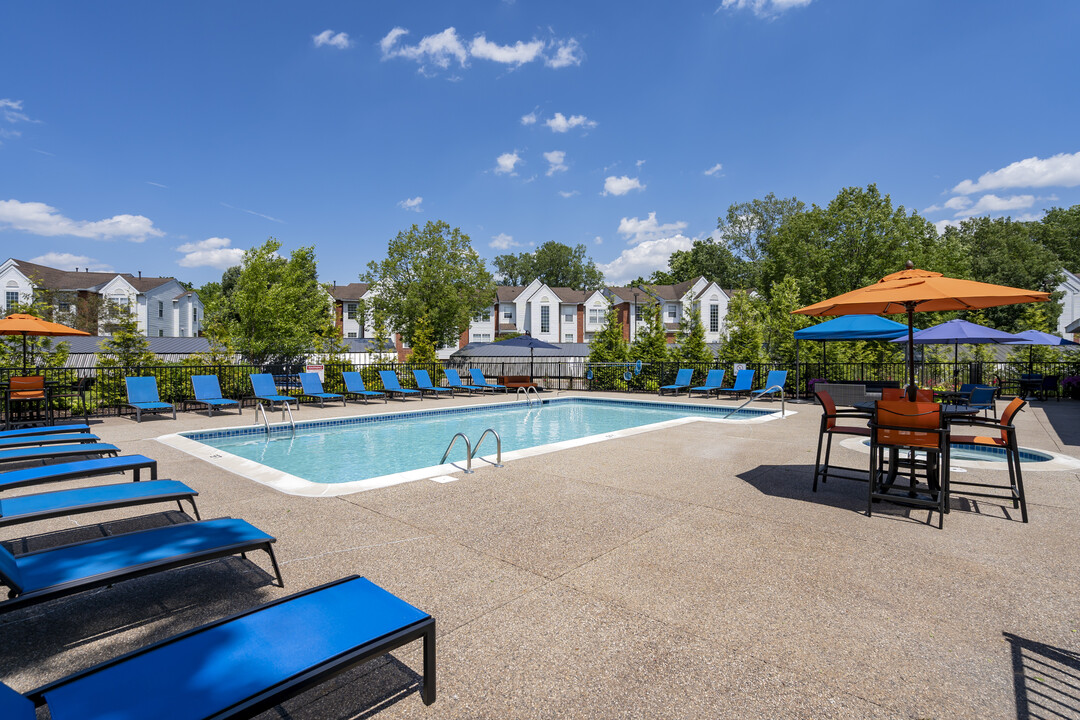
{"type": "Point", "coordinates": [431, 272]}
{"type": "Point", "coordinates": [554, 264]}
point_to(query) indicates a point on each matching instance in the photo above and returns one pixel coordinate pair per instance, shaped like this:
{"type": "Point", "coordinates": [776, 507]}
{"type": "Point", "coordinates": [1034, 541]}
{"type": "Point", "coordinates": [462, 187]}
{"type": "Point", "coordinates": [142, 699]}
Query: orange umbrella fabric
{"type": "Point", "coordinates": [912, 290]}
{"type": "Point", "coordinates": [22, 324]}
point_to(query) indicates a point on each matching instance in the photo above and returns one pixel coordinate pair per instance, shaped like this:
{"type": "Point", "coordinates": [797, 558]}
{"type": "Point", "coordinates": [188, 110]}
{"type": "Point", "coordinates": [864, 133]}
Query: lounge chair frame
{"type": "Point", "coordinates": [321, 395]}
{"type": "Point", "coordinates": [78, 470]}
{"type": "Point", "coordinates": [401, 391]}
{"type": "Point", "coordinates": [57, 451]}
{"type": "Point", "coordinates": [10, 443]}
{"type": "Point", "coordinates": [431, 387]}
{"type": "Point", "coordinates": [363, 392]}
{"type": "Point", "coordinates": [147, 406]}
{"type": "Point", "coordinates": [211, 402]}
{"type": "Point", "coordinates": [154, 491]}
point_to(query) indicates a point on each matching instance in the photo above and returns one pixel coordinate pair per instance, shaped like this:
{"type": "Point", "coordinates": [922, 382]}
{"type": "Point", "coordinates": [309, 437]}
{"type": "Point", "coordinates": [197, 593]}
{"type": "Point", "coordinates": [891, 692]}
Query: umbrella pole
{"type": "Point", "coordinates": [24, 354]}
{"type": "Point", "coordinates": [911, 350]}
{"type": "Point", "coordinates": [955, 365]}
{"type": "Point", "coordinates": [798, 385]}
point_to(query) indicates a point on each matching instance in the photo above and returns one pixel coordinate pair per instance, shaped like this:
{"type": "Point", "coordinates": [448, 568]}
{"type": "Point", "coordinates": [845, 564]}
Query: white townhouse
{"type": "Point", "coordinates": [162, 306]}
{"type": "Point", "coordinates": [700, 296]}
{"type": "Point", "coordinates": [1070, 303]}
{"type": "Point", "coordinates": [349, 315]}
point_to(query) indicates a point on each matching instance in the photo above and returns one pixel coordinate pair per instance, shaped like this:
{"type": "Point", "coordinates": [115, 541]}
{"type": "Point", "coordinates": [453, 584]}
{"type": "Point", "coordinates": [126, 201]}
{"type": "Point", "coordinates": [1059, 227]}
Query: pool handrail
{"type": "Point", "coordinates": [498, 446]}
{"type": "Point", "coordinates": [468, 451]}
{"type": "Point", "coordinates": [783, 411]}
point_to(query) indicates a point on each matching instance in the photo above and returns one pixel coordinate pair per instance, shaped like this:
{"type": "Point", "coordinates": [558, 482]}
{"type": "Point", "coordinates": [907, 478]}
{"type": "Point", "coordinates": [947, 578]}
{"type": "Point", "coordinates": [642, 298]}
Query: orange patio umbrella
{"type": "Point", "coordinates": [22, 324]}
{"type": "Point", "coordinates": [912, 290]}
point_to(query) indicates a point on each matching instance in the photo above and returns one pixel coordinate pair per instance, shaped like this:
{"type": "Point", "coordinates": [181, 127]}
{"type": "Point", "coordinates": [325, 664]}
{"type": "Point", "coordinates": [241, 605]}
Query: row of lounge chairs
{"type": "Point", "coordinates": [714, 383]}
{"type": "Point", "coordinates": [143, 396]}
{"type": "Point", "coordinates": [236, 667]}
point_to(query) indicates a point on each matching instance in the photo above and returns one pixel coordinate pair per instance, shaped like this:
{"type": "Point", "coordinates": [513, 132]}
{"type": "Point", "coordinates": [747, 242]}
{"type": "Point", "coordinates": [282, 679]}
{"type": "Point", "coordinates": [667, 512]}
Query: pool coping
{"type": "Point", "coordinates": [294, 485]}
{"type": "Point", "coordinates": [1057, 461]}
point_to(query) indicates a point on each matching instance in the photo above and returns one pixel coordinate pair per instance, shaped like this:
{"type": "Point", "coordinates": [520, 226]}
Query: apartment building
{"type": "Point", "coordinates": [162, 306]}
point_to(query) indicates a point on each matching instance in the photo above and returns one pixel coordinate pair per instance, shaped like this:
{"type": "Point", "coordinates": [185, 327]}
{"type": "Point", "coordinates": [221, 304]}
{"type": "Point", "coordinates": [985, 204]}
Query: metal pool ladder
{"type": "Point", "coordinates": [498, 446]}
{"type": "Point", "coordinates": [783, 411]}
{"type": "Point", "coordinates": [528, 400]}
{"type": "Point", "coordinates": [260, 410]}
{"type": "Point", "coordinates": [471, 450]}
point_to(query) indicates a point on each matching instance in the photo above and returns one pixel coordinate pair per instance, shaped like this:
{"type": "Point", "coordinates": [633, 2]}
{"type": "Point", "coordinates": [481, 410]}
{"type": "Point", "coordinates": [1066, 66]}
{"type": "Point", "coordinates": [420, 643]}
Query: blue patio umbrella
{"type": "Point", "coordinates": [528, 341]}
{"type": "Point", "coordinates": [847, 327]}
{"type": "Point", "coordinates": [957, 333]}
{"type": "Point", "coordinates": [1037, 337]}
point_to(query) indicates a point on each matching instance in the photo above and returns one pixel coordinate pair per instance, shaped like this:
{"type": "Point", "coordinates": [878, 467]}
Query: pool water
{"type": "Point", "coordinates": [351, 449]}
{"type": "Point", "coordinates": [985, 453]}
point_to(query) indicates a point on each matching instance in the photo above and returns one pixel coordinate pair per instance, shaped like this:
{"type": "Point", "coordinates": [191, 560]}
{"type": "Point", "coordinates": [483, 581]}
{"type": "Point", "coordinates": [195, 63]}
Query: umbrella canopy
{"type": "Point", "coordinates": [530, 342]}
{"type": "Point", "coordinates": [957, 333]}
{"type": "Point", "coordinates": [853, 327]}
{"type": "Point", "coordinates": [1037, 337]}
{"type": "Point", "coordinates": [22, 324]}
{"type": "Point", "coordinates": [912, 290]}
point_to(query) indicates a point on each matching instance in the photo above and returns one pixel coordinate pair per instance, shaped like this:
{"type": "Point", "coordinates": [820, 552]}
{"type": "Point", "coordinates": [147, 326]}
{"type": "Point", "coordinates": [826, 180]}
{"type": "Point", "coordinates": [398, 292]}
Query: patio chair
{"type": "Point", "coordinates": [78, 470]}
{"type": "Point", "coordinates": [45, 430]}
{"type": "Point", "coordinates": [714, 380]}
{"type": "Point", "coordinates": [909, 427]}
{"type": "Point", "coordinates": [208, 392]}
{"type": "Point", "coordinates": [683, 378]}
{"type": "Point", "coordinates": [142, 394]}
{"type": "Point", "coordinates": [311, 386]}
{"type": "Point", "coordinates": [391, 385]}
{"type": "Point", "coordinates": [1049, 385]}
{"type": "Point", "coordinates": [76, 393]}
{"type": "Point", "coordinates": [744, 381]}
{"type": "Point", "coordinates": [264, 388]}
{"type": "Point", "coordinates": [479, 380]}
{"type": "Point", "coordinates": [892, 393]}
{"type": "Point", "coordinates": [830, 427]}
{"type": "Point", "coordinates": [57, 451]}
{"type": "Point", "coordinates": [57, 572]}
{"type": "Point", "coordinates": [354, 385]}
{"type": "Point", "coordinates": [774, 383]}
{"type": "Point", "coordinates": [242, 665]}
{"type": "Point", "coordinates": [982, 398]}
{"type": "Point", "coordinates": [1006, 439]}
{"type": "Point", "coordinates": [454, 380]}
{"type": "Point", "coordinates": [62, 503]}
{"type": "Point", "coordinates": [423, 382]}
{"type": "Point", "coordinates": [48, 439]}
{"type": "Point", "coordinates": [27, 400]}
{"type": "Point", "coordinates": [924, 394]}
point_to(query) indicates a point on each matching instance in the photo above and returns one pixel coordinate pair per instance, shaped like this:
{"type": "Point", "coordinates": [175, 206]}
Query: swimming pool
{"type": "Point", "coordinates": [988, 453]}
{"type": "Point", "coordinates": [377, 450]}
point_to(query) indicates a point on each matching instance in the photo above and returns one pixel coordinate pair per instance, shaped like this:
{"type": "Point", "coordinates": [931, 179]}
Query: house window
{"type": "Point", "coordinates": [508, 315]}
{"type": "Point", "coordinates": [194, 315]}
{"type": "Point", "coordinates": [350, 311]}
{"type": "Point", "coordinates": [63, 306]}
{"type": "Point", "coordinates": [671, 310]}
{"type": "Point", "coordinates": [545, 319]}
{"type": "Point", "coordinates": [160, 309]}
{"type": "Point", "coordinates": [12, 299]}
{"type": "Point", "coordinates": [160, 333]}
{"type": "Point", "coordinates": [714, 318]}
{"type": "Point", "coordinates": [484, 316]}
{"type": "Point", "coordinates": [568, 337]}
{"type": "Point", "coordinates": [596, 316]}
{"type": "Point", "coordinates": [637, 313]}
{"type": "Point", "coordinates": [568, 315]}
{"type": "Point", "coordinates": [352, 335]}
{"type": "Point", "coordinates": [481, 337]}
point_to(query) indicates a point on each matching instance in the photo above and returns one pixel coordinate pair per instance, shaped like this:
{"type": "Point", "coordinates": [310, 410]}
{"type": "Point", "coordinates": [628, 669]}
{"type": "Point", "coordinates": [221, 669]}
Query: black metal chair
{"type": "Point", "coordinates": [907, 428]}
{"type": "Point", "coordinates": [1005, 440]}
{"type": "Point", "coordinates": [830, 427]}
{"type": "Point", "coordinates": [76, 392]}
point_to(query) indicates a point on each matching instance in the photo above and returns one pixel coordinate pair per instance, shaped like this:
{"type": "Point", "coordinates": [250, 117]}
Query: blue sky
{"type": "Point", "coordinates": [169, 137]}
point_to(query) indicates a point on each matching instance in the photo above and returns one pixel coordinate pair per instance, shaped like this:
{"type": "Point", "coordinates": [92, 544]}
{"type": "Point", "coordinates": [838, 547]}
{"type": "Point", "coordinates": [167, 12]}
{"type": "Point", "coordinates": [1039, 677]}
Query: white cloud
{"type": "Point", "coordinates": [643, 259]}
{"type": "Point", "coordinates": [502, 241]}
{"type": "Point", "coordinates": [556, 162]}
{"type": "Point", "coordinates": [505, 163]}
{"type": "Point", "coordinates": [599, 240]}
{"type": "Point", "coordinates": [529, 119]}
{"type": "Point", "coordinates": [212, 252]}
{"type": "Point", "coordinates": [560, 123]}
{"type": "Point", "coordinates": [252, 212]}
{"type": "Point", "coordinates": [715, 169]}
{"type": "Point", "coordinates": [566, 53]}
{"type": "Point", "coordinates": [68, 261]}
{"type": "Point", "coordinates": [639, 163]}
{"type": "Point", "coordinates": [958, 203]}
{"type": "Point", "coordinates": [439, 49]}
{"type": "Point", "coordinates": [638, 231]}
{"type": "Point", "coordinates": [150, 182]}
{"type": "Point", "coordinates": [568, 193]}
{"type": "Point", "coordinates": [932, 209]}
{"type": "Point", "coordinates": [1060, 170]}
{"type": "Point", "coordinates": [517, 54]}
{"type": "Point", "coordinates": [942, 224]}
{"type": "Point", "coordinates": [762, 8]}
{"type": "Point", "coordinates": [993, 203]}
{"type": "Point", "coordinates": [12, 111]}
{"type": "Point", "coordinates": [412, 204]}
{"type": "Point", "coordinates": [328, 37]}
{"type": "Point", "coordinates": [621, 185]}
{"type": "Point", "coordinates": [40, 219]}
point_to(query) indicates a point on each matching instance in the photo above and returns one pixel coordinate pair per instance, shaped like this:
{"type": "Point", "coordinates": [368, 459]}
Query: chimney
{"type": "Point", "coordinates": [140, 274]}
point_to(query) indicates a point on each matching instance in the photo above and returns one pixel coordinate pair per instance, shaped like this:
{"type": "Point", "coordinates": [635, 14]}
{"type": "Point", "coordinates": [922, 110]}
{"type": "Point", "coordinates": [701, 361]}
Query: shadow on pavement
{"type": "Point", "coordinates": [1046, 679]}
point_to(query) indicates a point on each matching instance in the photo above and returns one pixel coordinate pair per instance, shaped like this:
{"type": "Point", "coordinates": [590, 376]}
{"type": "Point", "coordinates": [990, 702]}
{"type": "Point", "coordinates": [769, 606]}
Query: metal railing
{"type": "Point", "coordinates": [758, 396]}
{"type": "Point", "coordinates": [468, 451]}
{"type": "Point", "coordinates": [498, 446]}
{"type": "Point", "coordinates": [526, 390]}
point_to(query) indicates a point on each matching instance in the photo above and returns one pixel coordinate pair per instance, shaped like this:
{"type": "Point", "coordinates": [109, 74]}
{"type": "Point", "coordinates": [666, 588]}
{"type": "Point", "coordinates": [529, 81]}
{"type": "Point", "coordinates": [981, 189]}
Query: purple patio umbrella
{"type": "Point", "coordinates": [1037, 337]}
{"type": "Point", "coordinates": [957, 333]}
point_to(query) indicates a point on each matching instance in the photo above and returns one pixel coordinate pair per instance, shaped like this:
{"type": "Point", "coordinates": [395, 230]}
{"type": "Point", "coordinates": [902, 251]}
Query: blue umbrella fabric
{"type": "Point", "coordinates": [1037, 337]}
{"type": "Point", "coordinates": [854, 327]}
{"type": "Point", "coordinates": [957, 333]}
{"type": "Point", "coordinates": [530, 342]}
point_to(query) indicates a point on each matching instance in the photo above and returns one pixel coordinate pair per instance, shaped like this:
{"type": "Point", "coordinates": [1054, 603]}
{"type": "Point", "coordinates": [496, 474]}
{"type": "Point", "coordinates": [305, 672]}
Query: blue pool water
{"type": "Point", "coordinates": [986, 453]}
{"type": "Point", "coordinates": [350, 449]}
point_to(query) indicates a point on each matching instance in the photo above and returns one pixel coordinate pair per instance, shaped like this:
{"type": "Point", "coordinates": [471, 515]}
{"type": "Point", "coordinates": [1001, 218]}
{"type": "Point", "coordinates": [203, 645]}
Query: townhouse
{"type": "Point", "coordinates": [161, 305]}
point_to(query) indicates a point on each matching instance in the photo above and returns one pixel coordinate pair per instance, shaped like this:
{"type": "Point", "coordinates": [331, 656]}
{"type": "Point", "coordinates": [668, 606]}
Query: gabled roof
{"type": "Point", "coordinates": [569, 295]}
{"type": "Point", "coordinates": [508, 293]}
{"type": "Point", "coordinates": [671, 292]}
{"type": "Point", "coordinates": [352, 291]}
{"type": "Point", "coordinates": [55, 279]}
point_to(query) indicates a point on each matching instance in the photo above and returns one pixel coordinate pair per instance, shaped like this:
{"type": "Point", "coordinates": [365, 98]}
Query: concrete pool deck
{"type": "Point", "coordinates": [685, 572]}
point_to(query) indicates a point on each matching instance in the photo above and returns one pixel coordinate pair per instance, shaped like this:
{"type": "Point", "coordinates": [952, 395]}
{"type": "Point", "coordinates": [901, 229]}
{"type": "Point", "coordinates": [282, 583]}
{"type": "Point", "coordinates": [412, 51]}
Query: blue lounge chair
{"type": "Point", "coordinates": [78, 470]}
{"type": "Point", "coordinates": [354, 385]}
{"type": "Point", "coordinates": [423, 382]}
{"type": "Point", "coordinates": [391, 385]}
{"type": "Point", "coordinates": [262, 385]}
{"type": "Point", "coordinates": [744, 381]}
{"type": "Point", "coordinates": [68, 569]}
{"type": "Point", "coordinates": [45, 430]}
{"type": "Point", "coordinates": [208, 392]}
{"type": "Point", "coordinates": [61, 503]}
{"type": "Point", "coordinates": [40, 440]}
{"type": "Point", "coordinates": [311, 386]}
{"type": "Point", "coordinates": [682, 382]}
{"type": "Point", "coordinates": [454, 380]}
{"type": "Point", "coordinates": [57, 451]}
{"type": "Point", "coordinates": [982, 398]}
{"type": "Point", "coordinates": [479, 380]}
{"type": "Point", "coordinates": [243, 665]}
{"type": "Point", "coordinates": [714, 380]}
{"type": "Point", "coordinates": [774, 383]}
{"type": "Point", "coordinates": [142, 394]}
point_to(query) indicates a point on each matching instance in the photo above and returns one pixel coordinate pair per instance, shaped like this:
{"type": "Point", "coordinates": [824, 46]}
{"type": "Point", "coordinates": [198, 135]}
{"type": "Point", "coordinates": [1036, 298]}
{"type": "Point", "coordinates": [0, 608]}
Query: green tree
{"type": "Point", "coordinates": [432, 272]}
{"type": "Point", "coordinates": [748, 229]}
{"type": "Point", "coordinates": [276, 311]}
{"type": "Point", "coordinates": [691, 340]}
{"type": "Point", "coordinates": [650, 342]}
{"type": "Point", "coordinates": [743, 331]}
{"type": "Point", "coordinates": [41, 351]}
{"type": "Point", "coordinates": [608, 344]}
{"type": "Point", "coordinates": [423, 348]}
{"type": "Point", "coordinates": [384, 346]}
{"type": "Point", "coordinates": [1060, 233]}
{"type": "Point", "coordinates": [779, 322]}
{"type": "Point", "coordinates": [127, 347]}
{"type": "Point", "coordinates": [554, 264]}
{"type": "Point", "coordinates": [709, 259]}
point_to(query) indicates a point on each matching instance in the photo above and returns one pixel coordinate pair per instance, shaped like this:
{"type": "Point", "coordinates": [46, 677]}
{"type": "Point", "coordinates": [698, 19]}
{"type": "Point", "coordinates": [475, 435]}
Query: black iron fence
{"type": "Point", "coordinates": [102, 392]}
